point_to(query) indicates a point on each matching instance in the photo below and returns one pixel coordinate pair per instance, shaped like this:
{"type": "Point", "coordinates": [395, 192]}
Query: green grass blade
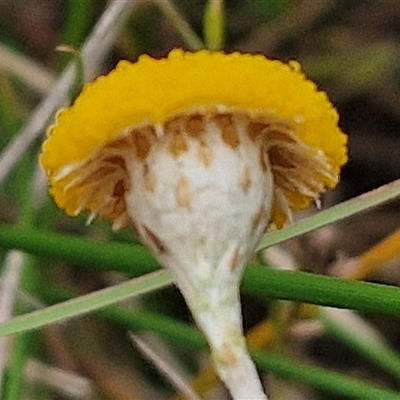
{"type": "Point", "coordinates": [214, 24]}
{"type": "Point", "coordinates": [9, 118]}
{"type": "Point", "coordinates": [320, 289]}
{"type": "Point", "coordinates": [13, 386]}
{"type": "Point", "coordinates": [86, 303]}
{"type": "Point", "coordinates": [77, 23]}
{"type": "Point", "coordinates": [79, 15]}
{"type": "Point", "coordinates": [320, 378]}
{"type": "Point", "coordinates": [334, 214]}
{"type": "Point", "coordinates": [131, 259]}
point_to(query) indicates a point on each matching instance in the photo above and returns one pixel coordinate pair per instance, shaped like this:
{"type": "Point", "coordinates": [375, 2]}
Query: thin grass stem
{"type": "Point", "coordinates": [334, 214]}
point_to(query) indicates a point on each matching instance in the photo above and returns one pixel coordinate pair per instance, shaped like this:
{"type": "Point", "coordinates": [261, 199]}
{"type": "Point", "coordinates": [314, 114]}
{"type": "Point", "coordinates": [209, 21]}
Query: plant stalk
{"type": "Point", "coordinates": [217, 312]}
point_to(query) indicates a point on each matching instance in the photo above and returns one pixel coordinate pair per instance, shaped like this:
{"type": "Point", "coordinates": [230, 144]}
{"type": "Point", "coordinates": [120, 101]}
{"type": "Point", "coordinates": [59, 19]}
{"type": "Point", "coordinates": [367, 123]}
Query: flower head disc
{"type": "Point", "coordinates": [296, 124]}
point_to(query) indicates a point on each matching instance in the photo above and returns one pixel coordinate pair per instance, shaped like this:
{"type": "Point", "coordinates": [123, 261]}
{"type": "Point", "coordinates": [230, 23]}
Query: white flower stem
{"type": "Point", "coordinates": [217, 312]}
{"type": "Point", "coordinates": [231, 359]}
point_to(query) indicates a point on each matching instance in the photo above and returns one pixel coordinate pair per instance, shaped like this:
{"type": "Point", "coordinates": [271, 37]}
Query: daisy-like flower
{"type": "Point", "coordinates": [199, 153]}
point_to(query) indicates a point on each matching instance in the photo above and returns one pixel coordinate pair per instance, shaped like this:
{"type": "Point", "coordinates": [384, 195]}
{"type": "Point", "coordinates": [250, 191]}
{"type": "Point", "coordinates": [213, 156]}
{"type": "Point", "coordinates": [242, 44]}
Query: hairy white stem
{"type": "Point", "coordinates": [8, 293]}
{"type": "Point", "coordinates": [216, 308]}
{"type": "Point", "coordinates": [68, 383]}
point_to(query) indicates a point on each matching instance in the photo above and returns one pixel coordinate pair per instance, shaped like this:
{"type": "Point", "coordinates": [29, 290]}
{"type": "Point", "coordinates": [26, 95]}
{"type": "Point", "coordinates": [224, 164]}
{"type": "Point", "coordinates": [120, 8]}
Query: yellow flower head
{"type": "Point", "coordinates": [295, 124]}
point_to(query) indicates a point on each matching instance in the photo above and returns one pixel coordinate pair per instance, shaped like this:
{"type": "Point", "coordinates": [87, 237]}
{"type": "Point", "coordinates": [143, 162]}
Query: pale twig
{"type": "Point", "coordinates": [33, 74]}
{"type": "Point", "coordinates": [8, 293]}
{"type": "Point", "coordinates": [94, 50]}
{"type": "Point", "coordinates": [360, 336]}
{"type": "Point", "coordinates": [65, 382]}
{"type": "Point", "coordinates": [164, 367]}
{"type": "Point", "coordinates": [27, 300]}
{"type": "Point", "coordinates": [353, 324]}
{"type": "Point", "coordinates": [280, 258]}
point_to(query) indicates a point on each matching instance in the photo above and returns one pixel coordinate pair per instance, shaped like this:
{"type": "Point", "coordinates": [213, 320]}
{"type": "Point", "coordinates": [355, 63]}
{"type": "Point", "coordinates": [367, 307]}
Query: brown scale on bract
{"type": "Point", "coordinates": [149, 179]}
{"type": "Point", "coordinates": [173, 128]}
{"type": "Point", "coordinates": [100, 183]}
{"type": "Point", "coordinates": [234, 261]}
{"type": "Point", "coordinates": [143, 139]}
{"type": "Point", "coordinates": [257, 218]}
{"type": "Point", "coordinates": [225, 122]}
{"type": "Point", "coordinates": [205, 153]}
{"type": "Point", "coordinates": [194, 124]}
{"type": "Point", "coordinates": [256, 128]}
{"type": "Point", "coordinates": [184, 193]}
{"type": "Point", "coordinates": [245, 180]}
{"type": "Point", "coordinates": [152, 240]}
